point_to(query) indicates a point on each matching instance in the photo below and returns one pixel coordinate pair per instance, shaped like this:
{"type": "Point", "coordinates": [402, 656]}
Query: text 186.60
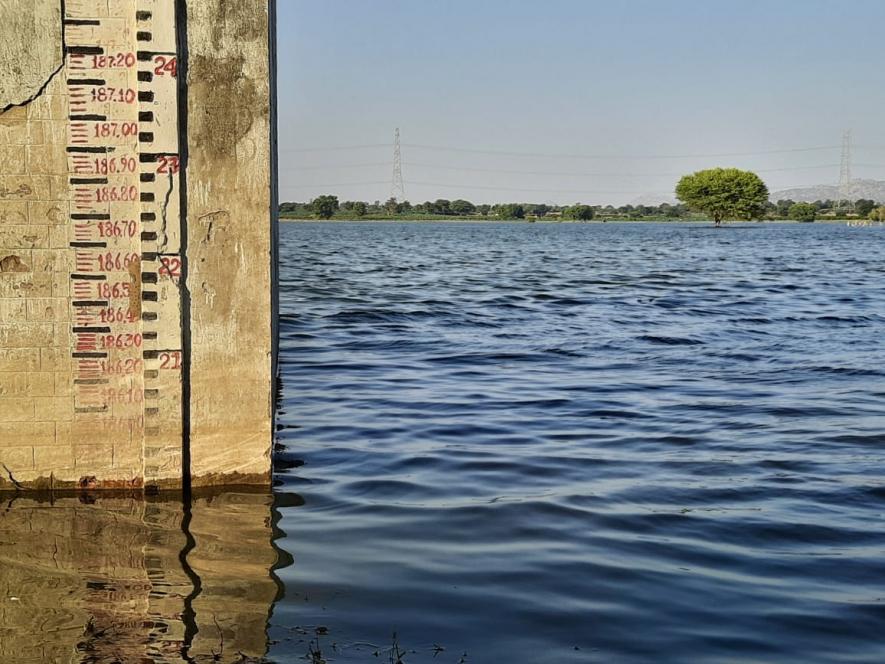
{"type": "Point", "coordinates": [117, 260]}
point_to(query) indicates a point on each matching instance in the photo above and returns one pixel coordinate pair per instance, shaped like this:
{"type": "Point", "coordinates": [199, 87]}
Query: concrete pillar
{"type": "Point", "coordinates": [137, 243]}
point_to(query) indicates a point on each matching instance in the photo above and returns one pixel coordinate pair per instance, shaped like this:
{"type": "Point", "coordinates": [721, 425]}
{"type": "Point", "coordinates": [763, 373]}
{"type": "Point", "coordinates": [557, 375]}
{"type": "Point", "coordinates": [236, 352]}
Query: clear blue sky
{"type": "Point", "coordinates": [639, 82]}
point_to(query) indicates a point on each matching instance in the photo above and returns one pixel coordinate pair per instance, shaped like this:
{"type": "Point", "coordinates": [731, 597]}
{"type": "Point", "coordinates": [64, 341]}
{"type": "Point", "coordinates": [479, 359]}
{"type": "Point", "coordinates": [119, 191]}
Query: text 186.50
{"type": "Point", "coordinates": [114, 291]}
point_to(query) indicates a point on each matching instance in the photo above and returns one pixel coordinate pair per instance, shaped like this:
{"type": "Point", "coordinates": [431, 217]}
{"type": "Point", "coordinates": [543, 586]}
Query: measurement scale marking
{"type": "Point", "coordinates": [125, 101]}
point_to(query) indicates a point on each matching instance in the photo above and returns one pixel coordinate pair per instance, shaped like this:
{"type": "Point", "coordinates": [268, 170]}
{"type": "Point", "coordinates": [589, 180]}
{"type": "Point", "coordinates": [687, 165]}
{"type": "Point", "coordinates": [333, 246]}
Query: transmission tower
{"type": "Point", "coordinates": [397, 190]}
{"type": "Point", "coordinates": [845, 170]}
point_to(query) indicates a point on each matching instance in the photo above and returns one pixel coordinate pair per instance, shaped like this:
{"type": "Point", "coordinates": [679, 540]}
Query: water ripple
{"type": "Point", "coordinates": [584, 443]}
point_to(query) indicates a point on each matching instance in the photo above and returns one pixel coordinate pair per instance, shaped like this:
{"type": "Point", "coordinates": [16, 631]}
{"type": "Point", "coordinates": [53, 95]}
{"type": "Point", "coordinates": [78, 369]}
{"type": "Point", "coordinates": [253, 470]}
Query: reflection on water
{"type": "Point", "coordinates": [119, 579]}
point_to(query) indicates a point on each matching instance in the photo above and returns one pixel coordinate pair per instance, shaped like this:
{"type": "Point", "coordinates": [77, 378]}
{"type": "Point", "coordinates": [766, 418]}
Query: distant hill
{"type": "Point", "coordinates": [871, 189]}
{"type": "Point", "coordinates": [654, 200]}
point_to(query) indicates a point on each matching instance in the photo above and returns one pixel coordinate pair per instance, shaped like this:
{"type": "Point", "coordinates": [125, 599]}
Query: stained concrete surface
{"type": "Point", "coordinates": [213, 406]}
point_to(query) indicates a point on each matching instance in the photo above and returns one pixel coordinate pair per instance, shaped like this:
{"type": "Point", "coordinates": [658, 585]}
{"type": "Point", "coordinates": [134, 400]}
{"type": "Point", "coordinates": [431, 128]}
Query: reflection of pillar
{"type": "Point", "coordinates": [237, 591]}
{"type": "Point", "coordinates": [104, 581]}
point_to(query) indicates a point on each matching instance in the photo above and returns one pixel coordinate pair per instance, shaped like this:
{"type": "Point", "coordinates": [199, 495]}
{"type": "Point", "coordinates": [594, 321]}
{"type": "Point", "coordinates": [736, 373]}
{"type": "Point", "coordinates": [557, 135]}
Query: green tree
{"type": "Point", "coordinates": [359, 209]}
{"type": "Point", "coordinates": [511, 211]}
{"type": "Point", "coordinates": [484, 209]}
{"type": "Point", "coordinates": [462, 207]}
{"type": "Point", "coordinates": [877, 214]}
{"type": "Point", "coordinates": [324, 206]}
{"type": "Point", "coordinates": [802, 211]}
{"type": "Point", "coordinates": [864, 206]}
{"type": "Point", "coordinates": [439, 206]}
{"type": "Point", "coordinates": [783, 207]}
{"type": "Point", "coordinates": [539, 209]}
{"type": "Point", "coordinates": [724, 193]}
{"type": "Point", "coordinates": [579, 212]}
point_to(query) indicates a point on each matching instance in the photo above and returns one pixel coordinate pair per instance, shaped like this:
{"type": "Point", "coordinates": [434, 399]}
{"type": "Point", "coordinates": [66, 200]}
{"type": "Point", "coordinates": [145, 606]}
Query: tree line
{"type": "Point", "coordinates": [715, 193]}
{"type": "Point", "coordinates": [328, 206]}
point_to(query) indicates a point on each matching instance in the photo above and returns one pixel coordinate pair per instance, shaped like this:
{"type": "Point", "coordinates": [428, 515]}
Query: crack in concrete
{"type": "Point", "coordinates": [37, 94]}
{"type": "Point", "coordinates": [61, 65]}
{"type": "Point", "coordinates": [162, 247]}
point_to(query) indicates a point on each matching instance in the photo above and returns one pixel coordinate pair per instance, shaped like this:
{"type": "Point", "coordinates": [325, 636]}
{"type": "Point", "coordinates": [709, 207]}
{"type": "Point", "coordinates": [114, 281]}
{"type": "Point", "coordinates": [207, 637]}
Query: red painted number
{"type": "Point", "coordinates": [165, 66]}
{"type": "Point", "coordinates": [170, 360]}
{"type": "Point", "coordinates": [115, 129]}
{"type": "Point", "coordinates": [117, 316]}
{"type": "Point", "coordinates": [121, 367]}
{"type": "Point", "coordinates": [111, 194]}
{"type": "Point", "coordinates": [115, 95]}
{"type": "Point", "coordinates": [126, 228]}
{"type": "Point", "coordinates": [117, 291]}
{"type": "Point", "coordinates": [105, 165]}
{"type": "Point", "coordinates": [111, 261]}
{"type": "Point", "coordinates": [167, 164]}
{"type": "Point", "coordinates": [113, 60]}
{"type": "Point", "coordinates": [170, 266]}
{"type": "Point", "coordinates": [121, 341]}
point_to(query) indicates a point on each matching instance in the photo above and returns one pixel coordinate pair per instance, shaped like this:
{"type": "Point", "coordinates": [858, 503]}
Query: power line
{"type": "Point", "coordinates": [384, 164]}
{"type": "Point", "coordinates": [336, 184]}
{"type": "Point", "coordinates": [337, 148]}
{"type": "Point", "coordinates": [318, 167]}
{"type": "Point", "coordinates": [555, 155]}
{"type": "Point", "coordinates": [614, 156]}
{"type": "Point", "coordinates": [524, 189]}
{"type": "Point", "coordinates": [598, 174]}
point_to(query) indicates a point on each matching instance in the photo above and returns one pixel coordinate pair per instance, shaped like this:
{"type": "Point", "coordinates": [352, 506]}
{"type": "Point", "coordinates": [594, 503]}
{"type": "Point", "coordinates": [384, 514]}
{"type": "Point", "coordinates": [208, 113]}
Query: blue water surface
{"type": "Point", "coordinates": [582, 443]}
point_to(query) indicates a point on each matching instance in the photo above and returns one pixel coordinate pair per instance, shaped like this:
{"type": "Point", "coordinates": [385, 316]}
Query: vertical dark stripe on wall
{"type": "Point", "coordinates": [274, 209]}
{"type": "Point", "coordinates": [182, 49]}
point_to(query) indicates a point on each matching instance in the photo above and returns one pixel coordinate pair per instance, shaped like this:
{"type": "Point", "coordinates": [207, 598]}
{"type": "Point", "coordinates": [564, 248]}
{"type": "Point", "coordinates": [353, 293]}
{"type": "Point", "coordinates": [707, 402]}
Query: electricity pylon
{"type": "Point", "coordinates": [845, 171]}
{"type": "Point", "coordinates": [397, 190]}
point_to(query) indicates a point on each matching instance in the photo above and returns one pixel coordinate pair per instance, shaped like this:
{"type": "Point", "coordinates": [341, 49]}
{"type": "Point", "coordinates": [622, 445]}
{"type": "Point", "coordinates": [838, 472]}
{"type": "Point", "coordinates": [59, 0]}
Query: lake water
{"type": "Point", "coordinates": [518, 443]}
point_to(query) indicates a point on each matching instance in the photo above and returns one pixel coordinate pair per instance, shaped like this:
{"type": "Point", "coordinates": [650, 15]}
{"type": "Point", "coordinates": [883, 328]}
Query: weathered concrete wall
{"type": "Point", "coordinates": [102, 580]}
{"type": "Point", "coordinates": [229, 179]}
{"type": "Point", "coordinates": [136, 242]}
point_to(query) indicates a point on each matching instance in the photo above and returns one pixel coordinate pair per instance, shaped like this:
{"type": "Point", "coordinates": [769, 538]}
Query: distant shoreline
{"type": "Point", "coordinates": [468, 220]}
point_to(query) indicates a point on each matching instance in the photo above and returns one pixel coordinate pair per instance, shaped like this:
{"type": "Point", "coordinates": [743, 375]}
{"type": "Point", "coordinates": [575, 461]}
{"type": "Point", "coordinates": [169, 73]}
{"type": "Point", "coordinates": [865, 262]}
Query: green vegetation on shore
{"type": "Point", "coordinates": [719, 194]}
